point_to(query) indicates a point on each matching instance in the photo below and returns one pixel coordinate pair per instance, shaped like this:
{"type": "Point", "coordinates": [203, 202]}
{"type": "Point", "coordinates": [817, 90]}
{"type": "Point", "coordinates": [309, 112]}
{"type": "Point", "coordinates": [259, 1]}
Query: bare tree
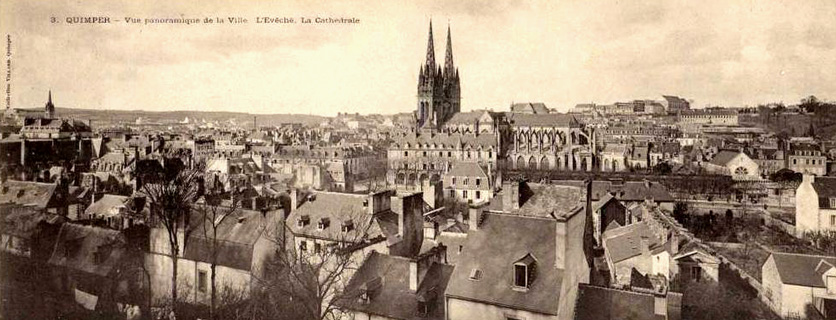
{"type": "Point", "coordinates": [306, 283]}
{"type": "Point", "coordinates": [214, 212]}
{"type": "Point", "coordinates": [171, 193]}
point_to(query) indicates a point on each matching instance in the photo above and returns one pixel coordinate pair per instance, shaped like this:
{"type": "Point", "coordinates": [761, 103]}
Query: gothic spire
{"type": "Point", "coordinates": [448, 58]}
{"type": "Point", "coordinates": [431, 50]}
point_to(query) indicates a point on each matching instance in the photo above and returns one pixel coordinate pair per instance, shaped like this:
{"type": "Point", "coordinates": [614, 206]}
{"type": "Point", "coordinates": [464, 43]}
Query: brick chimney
{"type": "Point", "coordinates": [475, 213]}
{"type": "Point", "coordinates": [510, 195]}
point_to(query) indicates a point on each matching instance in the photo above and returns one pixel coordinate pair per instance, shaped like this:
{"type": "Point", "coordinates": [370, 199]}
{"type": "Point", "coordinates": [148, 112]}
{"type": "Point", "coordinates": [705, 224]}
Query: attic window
{"type": "Point", "coordinates": [304, 220]}
{"type": "Point", "coordinates": [524, 272]}
{"type": "Point", "coordinates": [323, 223]}
{"type": "Point", "coordinates": [475, 274]}
{"type": "Point", "coordinates": [347, 226]}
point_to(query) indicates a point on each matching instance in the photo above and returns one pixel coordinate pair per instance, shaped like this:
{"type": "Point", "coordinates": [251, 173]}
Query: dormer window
{"type": "Point", "coordinates": [475, 274]}
{"type": "Point", "coordinates": [304, 220]}
{"type": "Point", "coordinates": [348, 226]}
{"type": "Point", "coordinates": [323, 223]}
{"type": "Point", "coordinates": [524, 272]}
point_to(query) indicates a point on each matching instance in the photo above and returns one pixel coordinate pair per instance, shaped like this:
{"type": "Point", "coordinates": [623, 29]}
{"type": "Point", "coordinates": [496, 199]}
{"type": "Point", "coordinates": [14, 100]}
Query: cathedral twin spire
{"type": "Point", "coordinates": [430, 65]}
{"type": "Point", "coordinates": [439, 94]}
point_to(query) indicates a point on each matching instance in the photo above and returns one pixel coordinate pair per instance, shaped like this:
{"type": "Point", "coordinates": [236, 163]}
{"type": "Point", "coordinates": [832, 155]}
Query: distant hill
{"type": "Point", "coordinates": [113, 116]}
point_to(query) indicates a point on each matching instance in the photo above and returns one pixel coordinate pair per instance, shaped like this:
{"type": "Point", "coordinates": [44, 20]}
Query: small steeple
{"type": "Point", "coordinates": [448, 58]}
{"type": "Point", "coordinates": [49, 109]}
{"type": "Point", "coordinates": [430, 50]}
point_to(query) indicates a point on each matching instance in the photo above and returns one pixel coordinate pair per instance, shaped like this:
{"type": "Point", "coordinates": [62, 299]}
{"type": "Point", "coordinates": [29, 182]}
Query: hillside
{"type": "Point", "coordinates": [129, 116]}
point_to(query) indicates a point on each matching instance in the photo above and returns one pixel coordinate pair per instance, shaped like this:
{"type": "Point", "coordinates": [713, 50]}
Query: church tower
{"type": "Point", "coordinates": [49, 108]}
{"type": "Point", "coordinates": [438, 89]}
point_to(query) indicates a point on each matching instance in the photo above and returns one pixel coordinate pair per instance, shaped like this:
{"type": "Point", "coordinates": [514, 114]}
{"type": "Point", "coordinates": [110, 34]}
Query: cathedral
{"type": "Point", "coordinates": [439, 93]}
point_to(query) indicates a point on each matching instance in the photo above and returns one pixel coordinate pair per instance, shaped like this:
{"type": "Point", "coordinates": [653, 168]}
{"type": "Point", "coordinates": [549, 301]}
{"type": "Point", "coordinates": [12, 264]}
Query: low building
{"type": "Point", "coordinates": [795, 284]}
{"type": "Point", "coordinates": [736, 164]}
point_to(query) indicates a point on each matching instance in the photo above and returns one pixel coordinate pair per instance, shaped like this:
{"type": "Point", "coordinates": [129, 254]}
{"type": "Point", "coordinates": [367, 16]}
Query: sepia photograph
{"type": "Point", "coordinates": [418, 160]}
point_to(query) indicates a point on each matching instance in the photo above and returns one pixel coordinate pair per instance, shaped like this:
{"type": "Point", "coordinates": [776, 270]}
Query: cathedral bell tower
{"type": "Point", "coordinates": [439, 94]}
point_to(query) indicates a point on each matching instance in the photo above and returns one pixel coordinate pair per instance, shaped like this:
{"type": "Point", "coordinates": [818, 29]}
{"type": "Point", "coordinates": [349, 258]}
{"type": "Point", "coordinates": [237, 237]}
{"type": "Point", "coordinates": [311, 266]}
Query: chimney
{"type": "Point", "coordinates": [510, 195]}
{"type": "Point", "coordinates": [644, 244]}
{"type": "Point", "coordinates": [413, 275]}
{"type": "Point", "coordinates": [294, 201]}
{"type": "Point", "coordinates": [660, 305]}
{"type": "Point", "coordinates": [808, 178]}
{"type": "Point", "coordinates": [674, 243]}
{"type": "Point", "coordinates": [475, 213]}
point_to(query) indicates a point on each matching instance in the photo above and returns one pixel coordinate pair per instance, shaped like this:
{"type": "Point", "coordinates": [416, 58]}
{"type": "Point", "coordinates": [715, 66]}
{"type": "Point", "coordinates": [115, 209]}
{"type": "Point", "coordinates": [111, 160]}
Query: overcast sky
{"type": "Point", "coordinates": [562, 53]}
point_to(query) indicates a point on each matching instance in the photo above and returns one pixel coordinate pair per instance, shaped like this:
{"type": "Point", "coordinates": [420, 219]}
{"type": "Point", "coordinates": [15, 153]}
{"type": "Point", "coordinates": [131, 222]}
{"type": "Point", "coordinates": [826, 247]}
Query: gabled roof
{"type": "Point", "coordinates": [825, 188]}
{"type": "Point", "coordinates": [467, 169]}
{"type": "Point", "coordinates": [500, 241]}
{"type": "Point", "coordinates": [469, 117]}
{"type": "Point", "coordinates": [77, 247]}
{"type": "Point", "coordinates": [530, 107]}
{"type": "Point", "coordinates": [37, 194]}
{"type": "Point", "coordinates": [236, 235]}
{"type": "Point", "coordinates": [336, 207]}
{"type": "Point", "coordinates": [724, 157]}
{"type": "Point", "coordinates": [387, 279]}
{"type": "Point", "coordinates": [800, 269]}
{"type": "Point", "coordinates": [108, 204]}
{"type": "Point", "coordinates": [23, 223]}
{"type": "Point", "coordinates": [550, 201]}
{"type": "Point", "coordinates": [543, 120]}
{"type": "Point", "coordinates": [626, 242]}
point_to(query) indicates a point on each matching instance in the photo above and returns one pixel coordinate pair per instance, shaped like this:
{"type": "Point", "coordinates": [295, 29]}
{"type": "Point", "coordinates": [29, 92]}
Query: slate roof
{"type": "Point", "coordinates": [500, 241]}
{"type": "Point", "coordinates": [468, 117]}
{"type": "Point", "coordinates": [467, 169]}
{"type": "Point", "coordinates": [393, 299]}
{"type": "Point", "coordinates": [236, 236]}
{"type": "Point", "coordinates": [800, 269]}
{"type": "Point", "coordinates": [600, 303]}
{"type": "Point", "coordinates": [336, 207]}
{"type": "Point", "coordinates": [107, 205]}
{"type": "Point", "coordinates": [724, 157]}
{"type": "Point", "coordinates": [452, 140]}
{"type": "Point", "coordinates": [77, 245]}
{"type": "Point", "coordinates": [825, 188]}
{"type": "Point", "coordinates": [625, 242]}
{"type": "Point", "coordinates": [627, 191]}
{"type": "Point", "coordinates": [618, 148]}
{"type": "Point", "coordinates": [543, 120]}
{"type": "Point", "coordinates": [533, 107]}
{"type": "Point", "coordinates": [548, 201]}
{"type": "Point", "coordinates": [27, 193]}
{"type": "Point", "coordinates": [23, 223]}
